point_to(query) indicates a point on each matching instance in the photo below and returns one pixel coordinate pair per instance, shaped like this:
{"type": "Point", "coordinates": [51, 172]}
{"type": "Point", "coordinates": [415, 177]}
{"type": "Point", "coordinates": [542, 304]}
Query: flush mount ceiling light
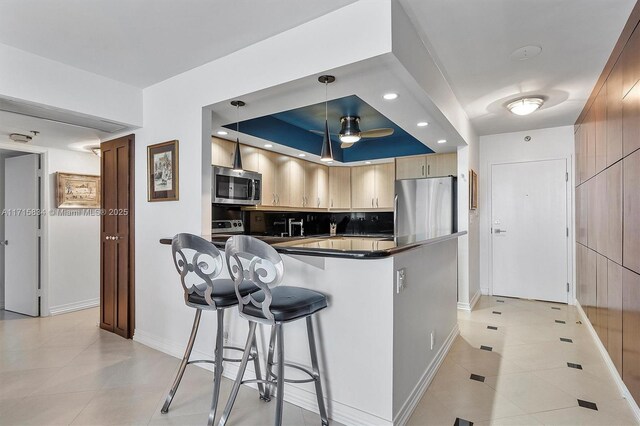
{"type": "Point", "coordinates": [222, 132]}
{"type": "Point", "coordinates": [525, 106]}
{"type": "Point", "coordinates": [422, 124]}
{"type": "Point", "coordinates": [237, 159]}
{"type": "Point", "coordinates": [390, 96]}
{"type": "Point", "coordinates": [326, 154]}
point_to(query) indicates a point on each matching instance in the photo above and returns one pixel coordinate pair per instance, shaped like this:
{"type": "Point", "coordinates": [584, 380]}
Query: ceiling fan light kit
{"type": "Point", "coordinates": [525, 106]}
{"type": "Point", "coordinates": [350, 130]}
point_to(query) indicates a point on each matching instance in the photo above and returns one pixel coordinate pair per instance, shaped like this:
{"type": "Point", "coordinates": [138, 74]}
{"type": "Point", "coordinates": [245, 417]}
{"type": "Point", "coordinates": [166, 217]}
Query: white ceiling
{"type": "Point", "coordinates": [142, 42]}
{"type": "Point", "coordinates": [473, 40]}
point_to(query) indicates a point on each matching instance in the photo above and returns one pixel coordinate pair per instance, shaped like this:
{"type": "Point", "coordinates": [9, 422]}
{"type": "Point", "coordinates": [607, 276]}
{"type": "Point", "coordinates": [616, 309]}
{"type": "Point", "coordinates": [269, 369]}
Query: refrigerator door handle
{"type": "Point", "coordinates": [395, 216]}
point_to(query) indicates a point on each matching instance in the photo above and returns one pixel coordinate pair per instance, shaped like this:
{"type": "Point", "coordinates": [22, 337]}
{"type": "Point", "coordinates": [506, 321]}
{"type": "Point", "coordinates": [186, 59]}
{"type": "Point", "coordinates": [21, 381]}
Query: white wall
{"type": "Point", "coordinates": [74, 241]}
{"type": "Point", "coordinates": [545, 144]}
{"type": "Point", "coordinates": [2, 157]}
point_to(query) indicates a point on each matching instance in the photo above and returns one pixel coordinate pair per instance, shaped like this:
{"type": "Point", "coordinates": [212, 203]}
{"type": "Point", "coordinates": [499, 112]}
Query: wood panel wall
{"type": "Point", "coordinates": [607, 194]}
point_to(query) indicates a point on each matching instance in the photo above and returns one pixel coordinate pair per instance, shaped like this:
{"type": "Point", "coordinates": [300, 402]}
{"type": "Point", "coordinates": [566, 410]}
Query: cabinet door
{"type": "Point", "coordinates": [267, 167]}
{"type": "Point", "coordinates": [442, 165]}
{"type": "Point", "coordinates": [590, 129]}
{"type": "Point", "coordinates": [581, 153]}
{"type": "Point", "coordinates": [602, 320]}
{"type": "Point", "coordinates": [222, 152]}
{"type": "Point", "coordinates": [310, 193]}
{"type": "Point", "coordinates": [614, 213]}
{"type": "Point", "coordinates": [282, 180]}
{"type": "Point", "coordinates": [614, 115]}
{"type": "Point", "coordinates": [384, 185]}
{"type": "Point", "coordinates": [614, 323]}
{"type": "Point", "coordinates": [631, 331]}
{"type": "Point", "coordinates": [322, 175]}
{"type": "Point", "coordinates": [411, 167]}
{"type": "Point", "coordinates": [250, 157]}
{"type": "Point", "coordinates": [339, 187]}
{"type": "Point", "coordinates": [631, 121]}
{"type": "Point", "coordinates": [631, 218]}
{"type": "Point", "coordinates": [600, 116]}
{"type": "Point", "coordinates": [297, 172]}
{"type": "Point", "coordinates": [362, 187]}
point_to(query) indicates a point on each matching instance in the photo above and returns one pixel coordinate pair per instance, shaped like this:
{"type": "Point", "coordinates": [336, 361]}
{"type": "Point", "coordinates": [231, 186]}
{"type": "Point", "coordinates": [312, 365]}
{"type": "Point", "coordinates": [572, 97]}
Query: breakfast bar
{"type": "Point", "coordinates": [390, 321]}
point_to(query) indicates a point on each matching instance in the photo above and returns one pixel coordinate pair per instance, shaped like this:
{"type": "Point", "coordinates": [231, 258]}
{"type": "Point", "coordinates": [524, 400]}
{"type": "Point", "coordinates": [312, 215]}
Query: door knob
{"type": "Point", "coordinates": [499, 231]}
{"type": "Point", "coordinates": [4, 243]}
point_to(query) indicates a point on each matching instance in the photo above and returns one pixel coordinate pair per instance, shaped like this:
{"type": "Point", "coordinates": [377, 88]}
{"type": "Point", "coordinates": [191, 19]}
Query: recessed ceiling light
{"type": "Point", "coordinates": [268, 145]}
{"type": "Point", "coordinates": [390, 96]}
{"type": "Point", "coordinates": [222, 132]}
{"type": "Point", "coordinates": [329, 162]}
{"type": "Point", "coordinates": [525, 106]}
{"type": "Point", "coordinates": [423, 124]}
{"type": "Point", "coordinates": [442, 141]}
{"type": "Point", "coordinates": [302, 155]}
{"type": "Point", "coordinates": [367, 162]}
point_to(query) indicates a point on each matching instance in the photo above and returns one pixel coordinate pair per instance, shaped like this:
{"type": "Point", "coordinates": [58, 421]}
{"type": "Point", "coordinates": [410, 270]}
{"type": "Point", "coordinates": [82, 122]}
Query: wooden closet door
{"type": "Point", "coordinates": [117, 237]}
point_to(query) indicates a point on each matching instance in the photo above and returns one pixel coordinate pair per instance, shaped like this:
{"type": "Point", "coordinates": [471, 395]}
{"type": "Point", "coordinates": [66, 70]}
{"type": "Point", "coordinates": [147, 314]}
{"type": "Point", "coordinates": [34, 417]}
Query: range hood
{"type": "Point", "coordinates": [60, 116]}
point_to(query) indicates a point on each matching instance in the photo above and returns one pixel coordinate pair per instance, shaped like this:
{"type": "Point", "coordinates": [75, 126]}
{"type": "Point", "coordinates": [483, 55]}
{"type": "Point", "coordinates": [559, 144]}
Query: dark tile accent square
{"type": "Point", "coordinates": [576, 366]}
{"type": "Point", "coordinates": [497, 313]}
{"type": "Point", "coordinates": [587, 404]}
{"type": "Point", "coordinates": [561, 322]}
{"type": "Point", "coordinates": [492, 327]}
{"type": "Point", "coordinates": [462, 422]}
{"type": "Point", "coordinates": [555, 307]}
{"type": "Point", "coordinates": [477, 378]}
{"type": "Point", "coordinates": [486, 348]}
{"type": "Point", "coordinates": [499, 301]}
{"type": "Point", "coordinates": [564, 339]}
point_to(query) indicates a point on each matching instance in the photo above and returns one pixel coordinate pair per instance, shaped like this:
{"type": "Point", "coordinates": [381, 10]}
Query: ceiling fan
{"type": "Point", "coordinates": [350, 132]}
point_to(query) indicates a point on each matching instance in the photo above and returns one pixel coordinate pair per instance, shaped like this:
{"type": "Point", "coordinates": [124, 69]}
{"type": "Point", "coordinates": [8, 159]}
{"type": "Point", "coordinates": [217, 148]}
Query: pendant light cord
{"type": "Point", "coordinates": [238, 122]}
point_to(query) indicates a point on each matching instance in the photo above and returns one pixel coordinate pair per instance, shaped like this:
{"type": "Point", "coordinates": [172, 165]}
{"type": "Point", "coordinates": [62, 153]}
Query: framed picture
{"type": "Point", "coordinates": [74, 191]}
{"type": "Point", "coordinates": [162, 171]}
{"type": "Point", "coordinates": [473, 190]}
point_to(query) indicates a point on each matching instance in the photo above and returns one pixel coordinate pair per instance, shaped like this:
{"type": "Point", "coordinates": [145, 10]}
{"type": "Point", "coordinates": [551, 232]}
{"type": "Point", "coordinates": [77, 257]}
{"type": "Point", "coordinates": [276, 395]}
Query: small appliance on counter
{"type": "Point", "coordinates": [229, 186]}
{"type": "Point", "coordinates": [226, 226]}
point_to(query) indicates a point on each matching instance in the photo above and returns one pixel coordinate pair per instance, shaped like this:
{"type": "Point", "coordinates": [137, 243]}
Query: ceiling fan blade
{"type": "Point", "coordinates": [376, 133]}
{"type": "Point", "coordinates": [345, 145]}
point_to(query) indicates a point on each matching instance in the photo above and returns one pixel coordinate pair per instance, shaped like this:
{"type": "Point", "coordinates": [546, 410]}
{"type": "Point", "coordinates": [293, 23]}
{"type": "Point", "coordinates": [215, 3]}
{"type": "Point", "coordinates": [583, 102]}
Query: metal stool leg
{"type": "Point", "coordinates": [280, 386]}
{"type": "Point", "coordinates": [316, 371]}
{"type": "Point", "coordinates": [242, 368]}
{"type": "Point", "coordinates": [256, 366]}
{"type": "Point", "coordinates": [272, 344]}
{"type": "Point", "coordinates": [183, 364]}
{"type": "Point", "coordinates": [217, 368]}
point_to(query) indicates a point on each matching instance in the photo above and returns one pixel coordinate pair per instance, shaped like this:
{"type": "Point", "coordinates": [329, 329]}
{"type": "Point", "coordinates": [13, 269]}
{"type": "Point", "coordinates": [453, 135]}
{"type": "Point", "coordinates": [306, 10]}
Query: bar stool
{"type": "Point", "coordinates": [199, 262]}
{"type": "Point", "coordinates": [251, 259]}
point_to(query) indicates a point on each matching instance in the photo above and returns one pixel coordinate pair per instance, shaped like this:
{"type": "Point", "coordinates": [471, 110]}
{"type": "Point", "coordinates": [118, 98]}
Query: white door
{"type": "Point", "coordinates": [529, 230]}
{"type": "Point", "coordinates": [21, 235]}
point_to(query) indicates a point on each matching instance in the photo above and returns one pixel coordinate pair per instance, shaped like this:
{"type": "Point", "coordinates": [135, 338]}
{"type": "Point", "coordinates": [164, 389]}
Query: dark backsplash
{"type": "Point", "coordinates": [274, 223]}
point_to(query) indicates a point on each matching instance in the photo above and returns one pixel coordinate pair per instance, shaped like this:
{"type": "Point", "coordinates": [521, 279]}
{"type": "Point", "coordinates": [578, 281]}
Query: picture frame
{"type": "Point", "coordinates": [473, 190]}
{"type": "Point", "coordinates": [77, 191]}
{"type": "Point", "coordinates": [163, 180]}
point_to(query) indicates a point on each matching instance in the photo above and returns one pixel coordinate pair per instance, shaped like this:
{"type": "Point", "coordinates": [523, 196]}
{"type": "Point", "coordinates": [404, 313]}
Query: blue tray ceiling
{"type": "Point", "coordinates": [293, 128]}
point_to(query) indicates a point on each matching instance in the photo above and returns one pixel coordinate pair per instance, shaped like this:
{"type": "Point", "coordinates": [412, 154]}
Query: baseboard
{"type": "Point", "coordinates": [402, 418]}
{"type": "Point", "coordinates": [484, 291]}
{"type": "Point", "coordinates": [75, 306]}
{"type": "Point", "coordinates": [469, 306]}
{"type": "Point", "coordinates": [609, 363]}
{"type": "Point", "coordinates": [295, 395]}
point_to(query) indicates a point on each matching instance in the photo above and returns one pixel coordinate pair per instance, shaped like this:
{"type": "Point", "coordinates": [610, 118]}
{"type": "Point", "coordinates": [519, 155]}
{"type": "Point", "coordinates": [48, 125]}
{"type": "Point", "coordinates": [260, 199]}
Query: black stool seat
{"type": "Point", "coordinates": [224, 293]}
{"type": "Point", "coordinates": [289, 303]}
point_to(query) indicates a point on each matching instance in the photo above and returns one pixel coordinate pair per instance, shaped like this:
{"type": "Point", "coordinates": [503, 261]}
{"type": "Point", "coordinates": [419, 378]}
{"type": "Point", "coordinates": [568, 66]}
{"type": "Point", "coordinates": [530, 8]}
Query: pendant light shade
{"type": "Point", "coordinates": [237, 157]}
{"type": "Point", "coordinates": [326, 154]}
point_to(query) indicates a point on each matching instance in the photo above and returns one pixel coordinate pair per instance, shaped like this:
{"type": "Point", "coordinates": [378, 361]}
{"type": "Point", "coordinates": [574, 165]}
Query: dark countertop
{"type": "Point", "coordinates": [342, 246]}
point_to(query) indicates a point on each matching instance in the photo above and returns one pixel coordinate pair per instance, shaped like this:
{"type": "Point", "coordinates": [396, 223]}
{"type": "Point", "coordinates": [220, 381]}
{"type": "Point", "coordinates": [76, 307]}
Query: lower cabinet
{"type": "Point", "coordinates": [631, 331]}
{"type": "Point", "coordinates": [614, 314]}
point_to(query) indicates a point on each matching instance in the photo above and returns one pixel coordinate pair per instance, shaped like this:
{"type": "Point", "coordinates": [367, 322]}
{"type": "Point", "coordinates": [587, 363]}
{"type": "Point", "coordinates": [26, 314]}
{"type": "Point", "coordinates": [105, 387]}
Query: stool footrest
{"type": "Point", "coordinates": [313, 377]}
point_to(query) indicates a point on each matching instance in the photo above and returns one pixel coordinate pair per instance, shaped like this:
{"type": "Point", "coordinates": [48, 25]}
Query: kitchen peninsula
{"type": "Point", "coordinates": [390, 321]}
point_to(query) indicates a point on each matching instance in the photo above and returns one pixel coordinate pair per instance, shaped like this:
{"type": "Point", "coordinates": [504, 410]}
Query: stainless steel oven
{"type": "Point", "coordinates": [233, 187]}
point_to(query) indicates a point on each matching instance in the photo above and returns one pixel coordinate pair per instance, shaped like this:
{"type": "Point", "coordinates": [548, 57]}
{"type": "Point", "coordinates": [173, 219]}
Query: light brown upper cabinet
{"type": "Point", "coordinates": [631, 121]}
{"type": "Point", "coordinates": [267, 167]}
{"type": "Point", "coordinates": [372, 187]}
{"type": "Point", "coordinates": [590, 135]}
{"type": "Point", "coordinates": [614, 213]}
{"type": "Point", "coordinates": [631, 237]}
{"type": "Point", "coordinates": [297, 197]}
{"type": "Point", "coordinates": [339, 188]}
{"type": "Point", "coordinates": [431, 165]}
{"type": "Point", "coordinates": [580, 149]}
{"type": "Point", "coordinates": [316, 183]}
{"type": "Point", "coordinates": [222, 152]}
{"type": "Point", "coordinates": [250, 157]}
{"type": "Point", "coordinates": [600, 117]}
{"type": "Point", "coordinates": [630, 61]}
{"type": "Point", "coordinates": [283, 180]}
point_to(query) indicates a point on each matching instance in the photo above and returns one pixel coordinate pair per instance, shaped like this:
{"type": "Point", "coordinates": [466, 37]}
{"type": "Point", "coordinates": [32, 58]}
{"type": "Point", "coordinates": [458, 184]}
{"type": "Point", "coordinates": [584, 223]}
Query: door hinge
{"type": "Point", "coordinates": [567, 232]}
{"type": "Point", "coordinates": [566, 177]}
{"type": "Point", "coordinates": [567, 287]}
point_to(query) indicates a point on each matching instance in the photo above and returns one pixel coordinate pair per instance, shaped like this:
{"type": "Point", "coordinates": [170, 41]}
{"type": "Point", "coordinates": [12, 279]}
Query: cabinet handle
{"type": "Point", "coordinates": [428, 169]}
{"type": "Point", "coordinates": [372, 202]}
{"type": "Point", "coordinates": [423, 170]}
{"type": "Point", "coordinates": [377, 205]}
{"type": "Point", "coordinates": [331, 202]}
{"type": "Point", "coordinates": [318, 202]}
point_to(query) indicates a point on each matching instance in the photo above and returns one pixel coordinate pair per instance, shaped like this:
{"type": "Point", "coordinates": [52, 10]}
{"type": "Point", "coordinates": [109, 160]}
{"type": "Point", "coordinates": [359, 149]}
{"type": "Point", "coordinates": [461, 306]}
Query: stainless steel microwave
{"type": "Point", "coordinates": [235, 187]}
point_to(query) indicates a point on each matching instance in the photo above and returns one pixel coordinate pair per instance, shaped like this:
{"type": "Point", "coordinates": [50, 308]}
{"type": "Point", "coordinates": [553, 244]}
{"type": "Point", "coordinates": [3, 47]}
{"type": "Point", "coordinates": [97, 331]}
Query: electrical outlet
{"type": "Point", "coordinates": [433, 340]}
{"type": "Point", "coordinates": [401, 275]}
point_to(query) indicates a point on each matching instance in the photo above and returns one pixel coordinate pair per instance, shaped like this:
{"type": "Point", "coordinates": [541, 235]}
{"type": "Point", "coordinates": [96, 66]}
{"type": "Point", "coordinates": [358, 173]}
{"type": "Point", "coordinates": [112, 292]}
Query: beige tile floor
{"type": "Point", "coordinates": [65, 370]}
{"type": "Point", "coordinates": [526, 380]}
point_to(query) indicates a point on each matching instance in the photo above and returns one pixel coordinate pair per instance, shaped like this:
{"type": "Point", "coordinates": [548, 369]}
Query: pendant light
{"type": "Point", "coordinates": [237, 158]}
{"type": "Point", "coordinates": [327, 153]}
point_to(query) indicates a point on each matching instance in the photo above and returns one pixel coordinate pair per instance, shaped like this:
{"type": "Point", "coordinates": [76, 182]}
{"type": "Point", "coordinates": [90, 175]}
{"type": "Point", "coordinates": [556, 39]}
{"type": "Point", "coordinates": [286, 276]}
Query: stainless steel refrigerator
{"type": "Point", "coordinates": [424, 209]}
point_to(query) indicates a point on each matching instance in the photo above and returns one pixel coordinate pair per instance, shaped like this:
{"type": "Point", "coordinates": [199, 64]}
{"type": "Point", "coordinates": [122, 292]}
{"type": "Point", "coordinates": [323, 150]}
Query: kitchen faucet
{"type": "Point", "coordinates": [293, 222]}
